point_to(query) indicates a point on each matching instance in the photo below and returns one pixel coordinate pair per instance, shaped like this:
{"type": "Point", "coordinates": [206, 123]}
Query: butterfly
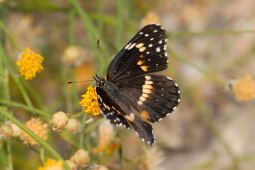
{"type": "Point", "coordinates": [132, 95]}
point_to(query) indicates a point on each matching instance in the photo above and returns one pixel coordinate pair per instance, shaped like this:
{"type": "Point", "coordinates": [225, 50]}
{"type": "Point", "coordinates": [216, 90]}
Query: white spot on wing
{"type": "Point", "coordinates": [158, 49]}
{"type": "Point", "coordinates": [127, 46]}
{"type": "Point", "coordinates": [148, 77]}
{"type": "Point", "coordinates": [131, 46]}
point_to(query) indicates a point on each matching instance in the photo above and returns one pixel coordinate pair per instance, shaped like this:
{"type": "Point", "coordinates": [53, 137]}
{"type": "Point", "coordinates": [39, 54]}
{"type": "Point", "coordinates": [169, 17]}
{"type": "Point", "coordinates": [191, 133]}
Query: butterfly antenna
{"type": "Point", "coordinates": [85, 81]}
{"type": "Point", "coordinates": [99, 59]}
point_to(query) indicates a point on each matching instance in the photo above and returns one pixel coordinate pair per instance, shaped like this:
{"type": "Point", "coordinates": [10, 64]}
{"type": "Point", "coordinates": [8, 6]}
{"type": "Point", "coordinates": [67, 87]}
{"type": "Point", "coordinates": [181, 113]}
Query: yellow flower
{"type": "Point", "coordinates": [90, 101]}
{"type": "Point", "coordinates": [244, 89]}
{"type": "Point", "coordinates": [38, 127]}
{"type": "Point", "coordinates": [30, 64]}
{"type": "Point", "coordinates": [150, 18]}
{"type": "Point", "coordinates": [52, 164]}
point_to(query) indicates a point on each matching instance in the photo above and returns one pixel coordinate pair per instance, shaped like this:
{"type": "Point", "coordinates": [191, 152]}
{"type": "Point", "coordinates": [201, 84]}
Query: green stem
{"type": "Point", "coordinates": [120, 22]}
{"type": "Point", "coordinates": [42, 155]}
{"type": "Point", "coordinates": [208, 119]}
{"type": "Point", "coordinates": [9, 155]}
{"type": "Point", "coordinates": [28, 108]}
{"type": "Point", "coordinates": [6, 31]}
{"type": "Point", "coordinates": [33, 135]}
{"type": "Point", "coordinates": [209, 32]}
{"type": "Point", "coordinates": [76, 115]}
{"type": "Point", "coordinates": [93, 33]}
{"type": "Point", "coordinates": [201, 70]}
{"type": "Point", "coordinates": [22, 90]}
{"type": "Point", "coordinates": [71, 37]}
{"type": "Point", "coordinates": [4, 85]}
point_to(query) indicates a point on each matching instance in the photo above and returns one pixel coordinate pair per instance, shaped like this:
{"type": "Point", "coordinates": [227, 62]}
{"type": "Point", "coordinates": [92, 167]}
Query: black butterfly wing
{"type": "Point", "coordinates": [123, 116]}
{"type": "Point", "coordinates": [109, 109]}
{"type": "Point", "coordinates": [144, 53]}
{"type": "Point", "coordinates": [149, 96]}
{"type": "Point", "coordinates": [153, 96]}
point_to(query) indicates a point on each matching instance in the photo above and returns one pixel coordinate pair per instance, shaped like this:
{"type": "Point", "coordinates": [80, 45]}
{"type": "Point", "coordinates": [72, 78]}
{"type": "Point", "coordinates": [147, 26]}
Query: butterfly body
{"type": "Point", "coordinates": [131, 95]}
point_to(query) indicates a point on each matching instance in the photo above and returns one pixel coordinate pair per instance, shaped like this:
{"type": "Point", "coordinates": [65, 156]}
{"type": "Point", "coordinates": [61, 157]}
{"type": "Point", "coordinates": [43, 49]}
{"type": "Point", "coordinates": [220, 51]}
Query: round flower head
{"type": "Point", "coordinates": [99, 167]}
{"type": "Point", "coordinates": [59, 121]}
{"type": "Point", "coordinates": [90, 101]}
{"type": "Point", "coordinates": [74, 55]}
{"type": "Point", "coordinates": [81, 158]}
{"type": "Point", "coordinates": [106, 136]}
{"type": "Point", "coordinates": [72, 165]}
{"type": "Point", "coordinates": [52, 164]}
{"type": "Point", "coordinates": [38, 127]}
{"type": "Point", "coordinates": [9, 130]}
{"type": "Point", "coordinates": [244, 89]}
{"type": "Point", "coordinates": [73, 126]}
{"type": "Point", "coordinates": [6, 131]}
{"type": "Point", "coordinates": [30, 63]}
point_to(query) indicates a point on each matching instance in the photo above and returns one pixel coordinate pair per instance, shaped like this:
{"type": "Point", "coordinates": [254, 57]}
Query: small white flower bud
{"type": "Point", "coordinates": [59, 121]}
{"type": "Point", "coordinates": [73, 126]}
{"type": "Point", "coordinates": [81, 158]}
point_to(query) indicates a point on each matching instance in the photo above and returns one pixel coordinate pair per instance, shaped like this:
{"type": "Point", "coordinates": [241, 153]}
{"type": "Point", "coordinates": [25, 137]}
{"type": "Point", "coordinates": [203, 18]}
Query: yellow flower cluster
{"type": "Point", "coordinates": [90, 101]}
{"type": "Point", "coordinates": [30, 64]}
{"type": "Point", "coordinates": [244, 89]}
{"type": "Point", "coordinates": [38, 127]}
{"type": "Point", "coordinates": [52, 164]}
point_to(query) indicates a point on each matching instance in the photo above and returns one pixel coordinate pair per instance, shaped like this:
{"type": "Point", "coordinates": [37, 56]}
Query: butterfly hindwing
{"type": "Point", "coordinates": [154, 96]}
{"type": "Point", "coordinates": [109, 111]}
{"type": "Point", "coordinates": [144, 53]}
{"type": "Point", "coordinates": [142, 128]}
{"type": "Point", "coordinates": [120, 113]}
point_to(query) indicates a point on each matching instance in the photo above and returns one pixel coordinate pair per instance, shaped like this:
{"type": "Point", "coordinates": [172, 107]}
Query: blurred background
{"type": "Point", "coordinates": [212, 58]}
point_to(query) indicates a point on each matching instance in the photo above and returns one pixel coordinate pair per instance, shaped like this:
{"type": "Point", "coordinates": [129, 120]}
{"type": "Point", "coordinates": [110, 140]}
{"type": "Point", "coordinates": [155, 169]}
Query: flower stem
{"type": "Point", "coordinates": [9, 155]}
{"type": "Point", "coordinates": [22, 90]}
{"type": "Point", "coordinates": [209, 32]}
{"type": "Point", "coordinates": [92, 30]}
{"type": "Point", "coordinates": [208, 119]}
{"type": "Point", "coordinates": [28, 108]}
{"type": "Point", "coordinates": [201, 70]}
{"type": "Point", "coordinates": [44, 144]}
{"type": "Point", "coordinates": [6, 31]}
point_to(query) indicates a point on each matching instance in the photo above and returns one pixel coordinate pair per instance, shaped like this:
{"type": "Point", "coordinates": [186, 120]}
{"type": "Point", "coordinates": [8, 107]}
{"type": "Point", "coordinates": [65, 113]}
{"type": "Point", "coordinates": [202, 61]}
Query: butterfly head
{"type": "Point", "coordinates": [99, 81]}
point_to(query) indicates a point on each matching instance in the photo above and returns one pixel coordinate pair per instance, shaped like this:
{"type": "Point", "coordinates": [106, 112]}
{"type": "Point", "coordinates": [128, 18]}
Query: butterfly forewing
{"type": "Point", "coordinates": [144, 53]}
